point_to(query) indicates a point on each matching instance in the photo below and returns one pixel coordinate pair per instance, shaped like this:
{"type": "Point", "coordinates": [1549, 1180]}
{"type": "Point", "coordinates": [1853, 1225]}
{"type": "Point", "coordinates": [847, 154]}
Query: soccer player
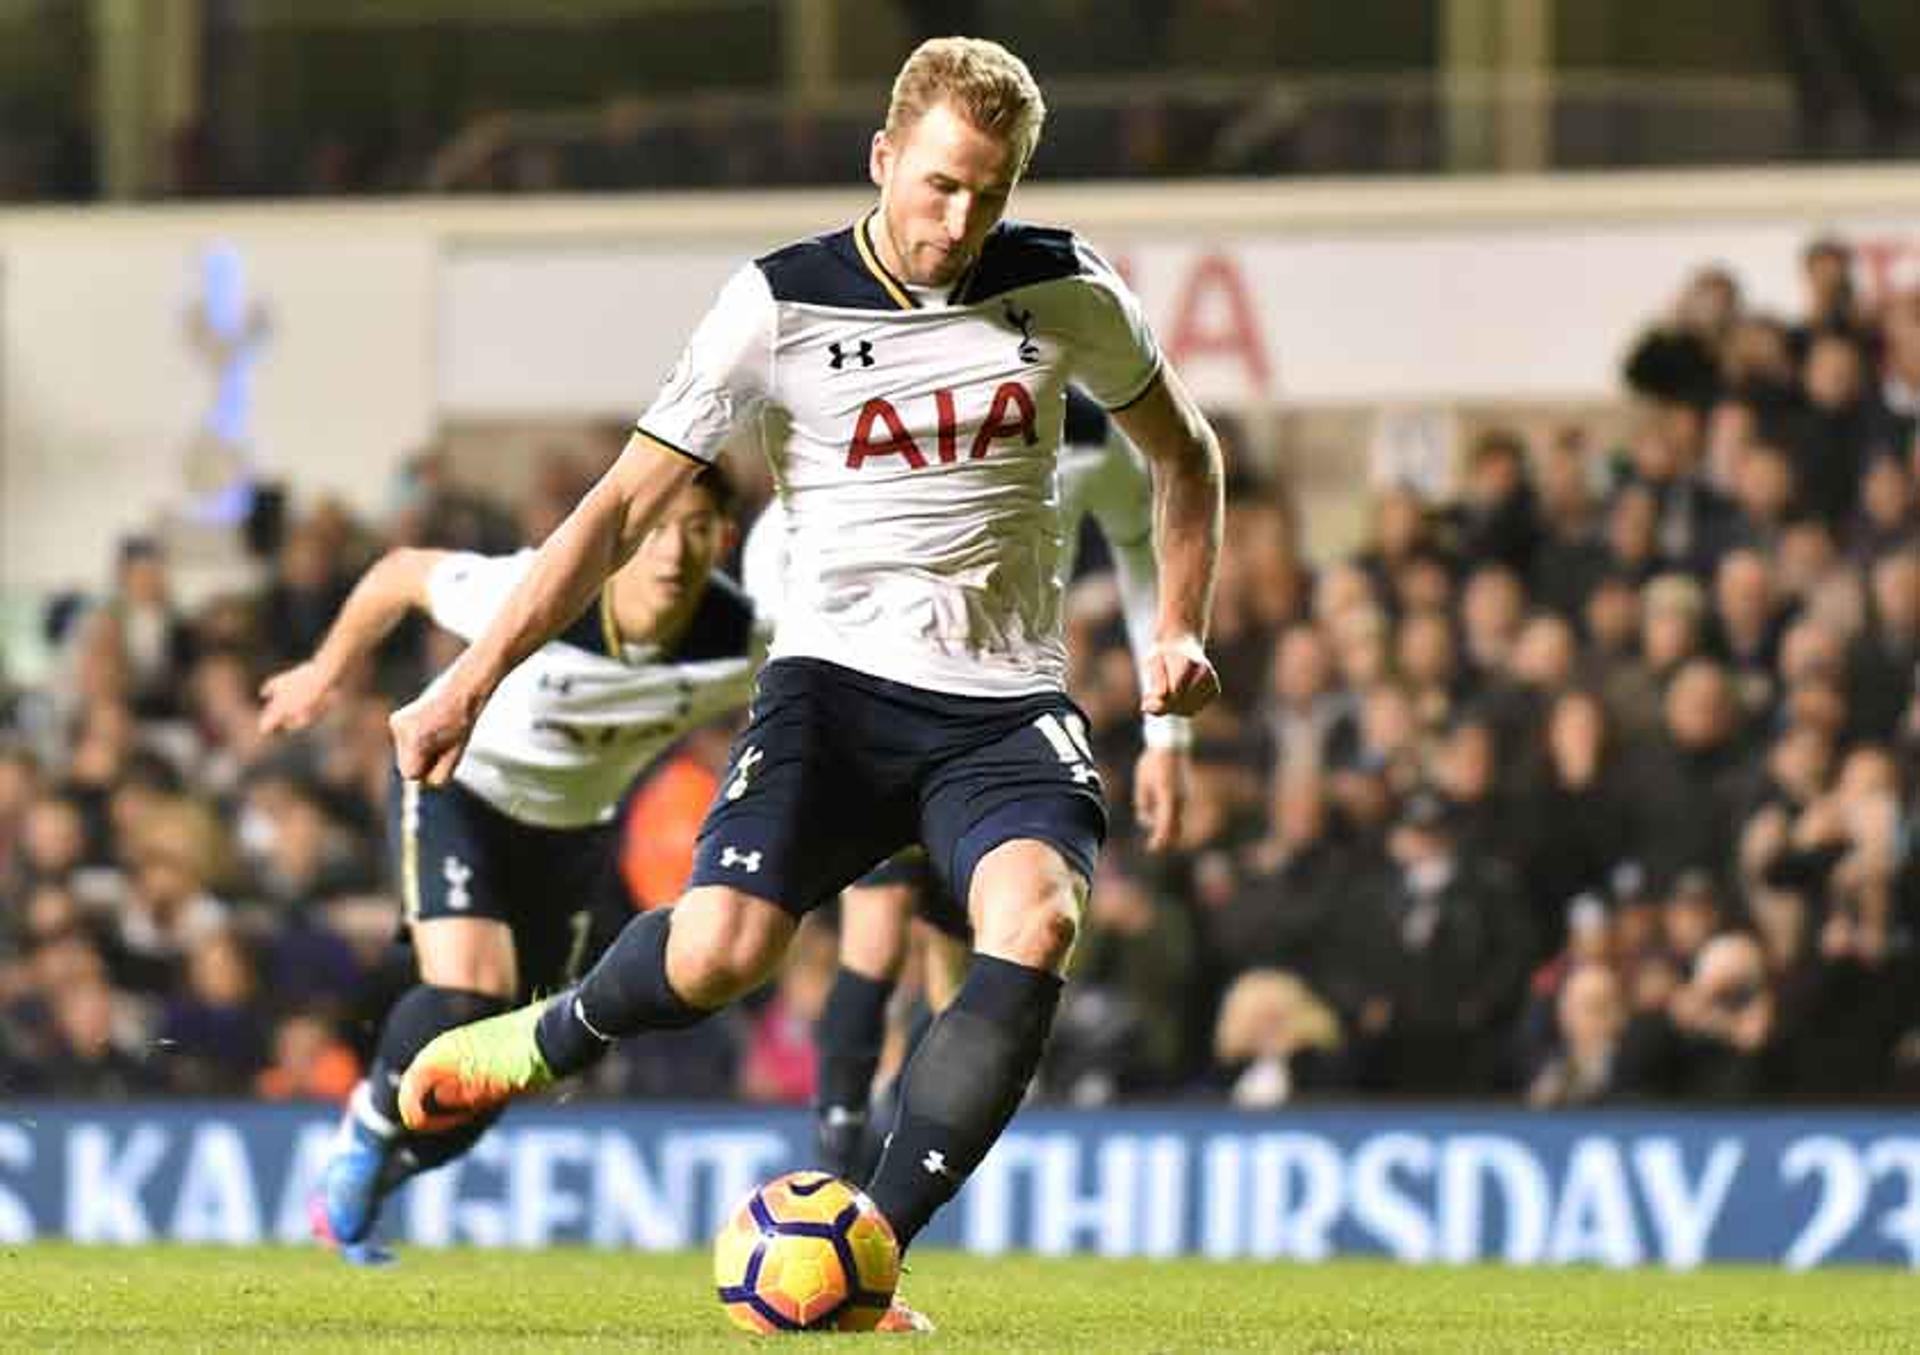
{"type": "Point", "coordinates": [1100, 476]}
{"type": "Point", "coordinates": [917, 360]}
{"type": "Point", "coordinates": [508, 870]}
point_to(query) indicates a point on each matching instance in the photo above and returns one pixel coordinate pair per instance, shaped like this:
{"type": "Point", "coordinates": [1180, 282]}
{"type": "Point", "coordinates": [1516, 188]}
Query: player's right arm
{"type": "Point", "coordinates": [722, 376]}
{"type": "Point", "coordinates": [594, 540]}
{"type": "Point", "coordinates": [396, 584]}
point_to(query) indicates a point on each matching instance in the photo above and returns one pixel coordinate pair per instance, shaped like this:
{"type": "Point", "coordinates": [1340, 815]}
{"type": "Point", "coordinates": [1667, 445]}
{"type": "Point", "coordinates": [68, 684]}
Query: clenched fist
{"type": "Point", "coordinates": [1179, 678]}
{"type": "Point", "coordinates": [430, 733]}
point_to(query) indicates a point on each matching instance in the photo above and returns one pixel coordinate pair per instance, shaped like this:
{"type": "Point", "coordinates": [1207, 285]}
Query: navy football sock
{"type": "Point", "coordinates": [625, 993]}
{"type": "Point", "coordinates": [422, 1012]}
{"type": "Point", "coordinates": [962, 1087]}
{"type": "Point", "coordinates": [849, 1035]}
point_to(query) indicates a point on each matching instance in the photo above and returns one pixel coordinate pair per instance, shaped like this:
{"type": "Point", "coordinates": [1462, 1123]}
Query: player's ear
{"type": "Point", "coordinates": [880, 158]}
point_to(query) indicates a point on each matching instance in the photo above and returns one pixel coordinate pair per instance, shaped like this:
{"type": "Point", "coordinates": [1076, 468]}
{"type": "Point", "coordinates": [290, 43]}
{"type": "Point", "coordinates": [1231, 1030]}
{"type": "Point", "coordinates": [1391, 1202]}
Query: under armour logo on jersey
{"type": "Point", "coordinates": [1023, 321]}
{"type": "Point", "coordinates": [862, 352]}
{"type": "Point", "coordinates": [936, 1164]}
{"type": "Point", "coordinates": [456, 873]}
{"type": "Point", "coordinates": [747, 861]}
{"type": "Point", "coordinates": [748, 761]}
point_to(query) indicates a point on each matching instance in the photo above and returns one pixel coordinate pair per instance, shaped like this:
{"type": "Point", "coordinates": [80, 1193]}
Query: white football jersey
{"type": "Point", "coordinates": [913, 440]}
{"type": "Point", "coordinates": [569, 729]}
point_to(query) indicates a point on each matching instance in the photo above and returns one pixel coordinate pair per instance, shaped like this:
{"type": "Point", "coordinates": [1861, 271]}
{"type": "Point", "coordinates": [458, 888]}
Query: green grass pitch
{"type": "Point", "coordinates": [60, 1298]}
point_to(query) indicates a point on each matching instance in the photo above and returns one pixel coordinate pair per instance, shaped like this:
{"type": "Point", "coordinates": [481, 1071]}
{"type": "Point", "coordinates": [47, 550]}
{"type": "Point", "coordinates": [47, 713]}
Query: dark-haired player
{"type": "Point", "coordinates": [508, 870]}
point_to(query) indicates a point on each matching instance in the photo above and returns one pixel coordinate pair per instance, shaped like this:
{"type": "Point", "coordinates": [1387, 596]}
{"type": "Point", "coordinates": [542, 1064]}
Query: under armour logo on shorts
{"type": "Point", "coordinates": [738, 785]}
{"type": "Point", "coordinates": [747, 861]}
{"type": "Point", "coordinates": [862, 351]}
{"type": "Point", "coordinates": [936, 1164]}
{"type": "Point", "coordinates": [456, 873]}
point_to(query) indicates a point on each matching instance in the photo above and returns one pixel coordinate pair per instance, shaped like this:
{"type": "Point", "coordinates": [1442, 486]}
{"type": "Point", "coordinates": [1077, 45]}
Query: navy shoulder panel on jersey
{"type": "Point", "coordinates": [722, 626]}
{"type": "Point", "coordinates": [1017, 254]}
{"type": "Point", "coordinates": [1086, 422]}
{"type": "Point", "coordinates": [824, 271]}
{"type": "Point", "coordinates": [587, 631]}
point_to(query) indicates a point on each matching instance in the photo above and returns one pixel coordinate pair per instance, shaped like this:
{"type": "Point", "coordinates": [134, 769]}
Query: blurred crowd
{"type": "Point", "coordinates": [1592, 780]}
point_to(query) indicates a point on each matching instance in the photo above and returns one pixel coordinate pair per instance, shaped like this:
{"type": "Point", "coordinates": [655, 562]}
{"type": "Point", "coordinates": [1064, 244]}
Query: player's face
{"type": "Point", "coordinates": [943, 184]}
{"type": "Point", "coordinates": [677, 555]}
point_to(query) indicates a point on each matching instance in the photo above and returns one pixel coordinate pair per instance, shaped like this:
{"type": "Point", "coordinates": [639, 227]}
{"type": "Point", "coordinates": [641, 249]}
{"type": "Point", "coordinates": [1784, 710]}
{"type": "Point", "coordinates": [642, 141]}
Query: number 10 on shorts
{"type": "Point", "coordinates": [1068, 738]}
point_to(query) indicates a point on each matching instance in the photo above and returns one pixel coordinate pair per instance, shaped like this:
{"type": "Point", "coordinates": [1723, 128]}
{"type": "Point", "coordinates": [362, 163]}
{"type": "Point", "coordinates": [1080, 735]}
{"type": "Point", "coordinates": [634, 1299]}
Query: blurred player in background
{"type": "Point", "coordinates": [918, 360]}
{"type": "Point", "coordinates": [1103, 477]}
{"type": "Point", "coordinates": [508, 870]}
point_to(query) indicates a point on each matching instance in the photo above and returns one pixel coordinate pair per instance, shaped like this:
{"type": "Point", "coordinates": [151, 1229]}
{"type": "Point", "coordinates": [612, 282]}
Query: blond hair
{"type": "Point", "coordinates": [986, 84]}
{"type": "Point", "coordinates": [1270, 1011]}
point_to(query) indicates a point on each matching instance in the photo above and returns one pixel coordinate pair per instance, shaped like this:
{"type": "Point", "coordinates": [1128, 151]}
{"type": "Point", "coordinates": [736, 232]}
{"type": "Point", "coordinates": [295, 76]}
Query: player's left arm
{"type": "Point", "coordinates": [1119, 495]}
{"type": "Point", "coordinates": [1189, 515]}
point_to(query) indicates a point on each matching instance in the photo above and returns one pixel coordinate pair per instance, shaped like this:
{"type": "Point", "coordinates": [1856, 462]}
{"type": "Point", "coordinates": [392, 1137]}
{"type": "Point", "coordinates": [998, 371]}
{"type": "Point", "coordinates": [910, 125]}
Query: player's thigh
{"type": "Point", "coordinates": [472, 954]}
{"type": "Point", "coordinates": [449, 847]}
{"type": "Point", "coordinates": [1014, 825]}
{"type": "Point", "coordinates": [800, 813]}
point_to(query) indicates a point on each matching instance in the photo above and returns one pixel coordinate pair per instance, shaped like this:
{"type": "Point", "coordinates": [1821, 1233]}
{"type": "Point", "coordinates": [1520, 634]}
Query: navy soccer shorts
{"type": "Point", "coordinates": [836, 771]}
{"type": "Point", "coordinates": [557, 889]}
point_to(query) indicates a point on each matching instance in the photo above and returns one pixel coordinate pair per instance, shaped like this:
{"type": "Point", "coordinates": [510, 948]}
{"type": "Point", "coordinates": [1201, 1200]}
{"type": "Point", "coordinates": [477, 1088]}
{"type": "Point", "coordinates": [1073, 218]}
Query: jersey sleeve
{"type": "Point", "coordinates": [723, 373]}
{"type": "Point", "coordinates": [464, 590]}
{"type": "Point", "coordinates": [1114, 355]}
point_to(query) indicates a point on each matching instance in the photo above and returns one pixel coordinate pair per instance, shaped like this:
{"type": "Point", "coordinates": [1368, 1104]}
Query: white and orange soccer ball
{"type": "Point", "coordinates": [806, 1252]}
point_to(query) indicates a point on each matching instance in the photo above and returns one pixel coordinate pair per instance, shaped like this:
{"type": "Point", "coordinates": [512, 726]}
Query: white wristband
{"type": "Point", "coordinates": [1167, 731]}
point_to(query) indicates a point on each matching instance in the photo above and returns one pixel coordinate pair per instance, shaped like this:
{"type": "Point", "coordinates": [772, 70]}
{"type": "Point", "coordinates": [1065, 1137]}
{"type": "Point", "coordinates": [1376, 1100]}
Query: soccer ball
{"type": "Point", "coordinates": [806, 1252]}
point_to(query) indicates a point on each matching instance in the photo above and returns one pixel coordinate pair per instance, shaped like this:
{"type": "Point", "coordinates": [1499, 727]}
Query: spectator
{"type": "Point", "coordinates": [1718, 1026]}
{"type": "Point", "coordinates": [1884, 660]}
{"type": "Point", "coordinates": [1497, 521]}
{"type": "Point", "coordinates": [1764, 493]}
{"type": "Point", "coordinates": [1274, 1038]}
{"type": "Point", "coordinates": [1889, 517]}
{"type": "Point", "coordinates": [1437, 978]}
{"type": "Point", "coordinates": [1279, 911]}
{"type": "Point", "coordinates": [1835, 432]}
{"type": "Point", "coordinates": [1590, 1019]}
{"type": "Point", "coordinates": [169, 911]}
{"type": "Point", "coordinates": [1121, 1027]}
{"type": "Point", "coordinates": [309, 1063]}
{"type": "Point", "coordinates": [309, 584]}
{"type": "Point", "coordinates": [1310, 721]}
{"type": "Point", "coordinates": [156, 639]}
{"type": "Point", "coordinates": [1581, 821]}
{"type": "Point", "coordinates": [212, 1034]}
{"type": "Point", "coordinates": [1684, 783]}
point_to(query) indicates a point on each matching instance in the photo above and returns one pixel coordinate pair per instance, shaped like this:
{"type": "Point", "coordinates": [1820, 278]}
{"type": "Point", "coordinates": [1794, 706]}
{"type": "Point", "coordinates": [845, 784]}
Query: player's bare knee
{"type": "Point", "coordinates": [724, 943]}
{"type": "Point", "coordinates": [1026, 904]}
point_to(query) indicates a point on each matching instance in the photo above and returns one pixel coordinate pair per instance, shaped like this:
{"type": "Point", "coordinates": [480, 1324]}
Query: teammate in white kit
{"type": "Point", "coordinates": [917, 361]}
{"type": "Point", "coordinates": [1102, 477]}
{"type": "Point", "coordinates": [509, 870]}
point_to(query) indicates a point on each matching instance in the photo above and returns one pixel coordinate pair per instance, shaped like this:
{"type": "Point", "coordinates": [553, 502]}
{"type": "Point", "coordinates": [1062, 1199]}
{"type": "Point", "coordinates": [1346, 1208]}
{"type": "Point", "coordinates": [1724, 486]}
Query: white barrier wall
{"type": "Point", "coordinates": [384, 318]}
